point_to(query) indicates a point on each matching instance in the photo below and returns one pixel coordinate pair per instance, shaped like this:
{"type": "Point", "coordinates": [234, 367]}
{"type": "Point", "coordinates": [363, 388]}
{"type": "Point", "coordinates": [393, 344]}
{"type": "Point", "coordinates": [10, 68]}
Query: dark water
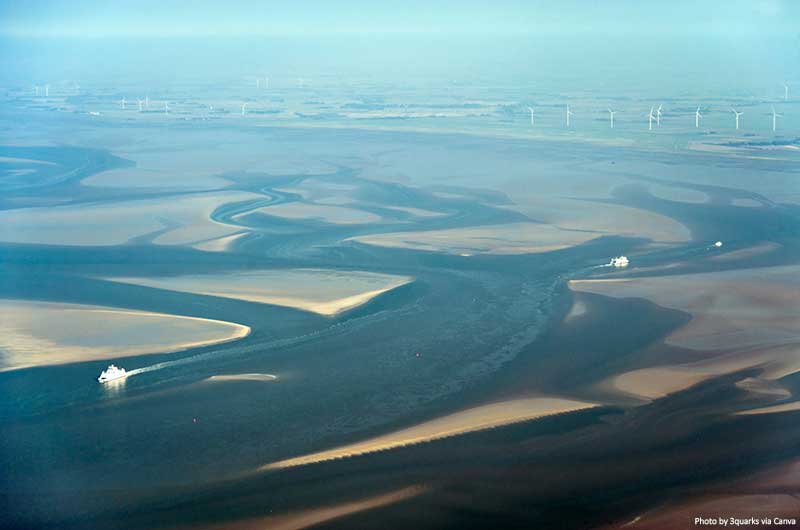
{"type": "Point", "coordinates": [164, 448]}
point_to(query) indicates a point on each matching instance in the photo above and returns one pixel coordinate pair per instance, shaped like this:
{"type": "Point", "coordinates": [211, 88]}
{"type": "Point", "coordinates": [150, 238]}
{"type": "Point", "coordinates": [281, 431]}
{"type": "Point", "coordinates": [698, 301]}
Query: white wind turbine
{"type": "Point", "coordinates": [569, 115]}
{"type": "Point", "coordinates": [47, 91]}
{"type": "Point", "coordinates": [122, 102]}
{"type": "Point", "coordinates": [786, 91]}
{"type": "Point", "coordinates": [166, 107]}
{"type": "Point", "coordinates": [737, 114]}
{"type": "Point", "coordinates": [266, 82]}
{"type": "Point", "coordinates": [258, 83]}
{"type": "Point", "coordinates": [139, 101]}
{"type": "Point", "coordinates": [611, 117]}
{"type": "Point", "coordinates": [530, 109]}
{"type": "Point", "coordinates": [244, 108]}
{"type": "Point", "coordinates": [775, 117]}
{"type": "Point", "coordinates": [697, 117]}
{"type": "Point", "coordinates": [658, 114]}
{"type": "Point", "coordinates": [147, 101]}
{"type": "Point", "coordinates": [650, 119]}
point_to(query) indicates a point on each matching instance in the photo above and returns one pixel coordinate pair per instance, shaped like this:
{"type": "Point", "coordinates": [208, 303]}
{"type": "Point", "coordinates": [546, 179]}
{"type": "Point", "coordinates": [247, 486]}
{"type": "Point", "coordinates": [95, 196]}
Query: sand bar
{"type": "Point", "coordinates": [45, 333]}
{"type": "Point", "coordinates": [469, 420]}
{"type": "Point", "coordinates": [325, 292]}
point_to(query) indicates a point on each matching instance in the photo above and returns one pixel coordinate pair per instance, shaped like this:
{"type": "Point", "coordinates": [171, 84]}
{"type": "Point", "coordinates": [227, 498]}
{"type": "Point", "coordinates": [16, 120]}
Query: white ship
{"type": "Point", "coordinates": [112, 373]}
{"type": "Point", "coordinates": [620, 261]}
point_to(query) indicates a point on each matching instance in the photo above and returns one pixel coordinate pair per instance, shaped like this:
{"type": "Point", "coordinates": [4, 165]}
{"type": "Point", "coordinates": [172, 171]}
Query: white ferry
{"type": "Point", "coordinates": [619, 261]}
{"type": "Point", "coordinates": [112, 373]}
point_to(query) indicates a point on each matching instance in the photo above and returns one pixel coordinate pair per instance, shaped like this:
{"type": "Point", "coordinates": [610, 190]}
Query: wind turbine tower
{"type": "Point", "coordinates": [530, 109]}
{"type": "Point", "coordinates": [786, 91]}
{"type": "Point", "coordinates": [697, 117]}
{"type": "Point", "coordinates": [611, 117]}
{"type": "Point", "coordinates": [47, 91]}
{"type": "Point", "coordinates": [737, 114]}
{"type": "Point", "coordinates": [147, 101]}
{"type": "Point", "coordinates": [775, 117]}
{"type": "Point", "coordinates": [658, 115]}
{"type": "Point", "coordinates": [139, 101]}
{"type": "Point", "coordinates": [569, 115]}
{"type": "Point", "coordinates": [650, 119]}
{"type": "Point", "coordinates": [166, 107]}
{"type": "Point", "coordinates": [244, 108]}
{"type": "Point", "coordinates": [122, 101]}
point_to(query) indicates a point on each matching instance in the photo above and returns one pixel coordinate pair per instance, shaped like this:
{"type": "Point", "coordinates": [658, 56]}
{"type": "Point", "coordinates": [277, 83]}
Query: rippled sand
{"type": "Point", "coordinates": [474, 419]}
{"type": "Point", "coordinates": [325, 292]}
{"type": "Point", "coordinates": [44, 333]}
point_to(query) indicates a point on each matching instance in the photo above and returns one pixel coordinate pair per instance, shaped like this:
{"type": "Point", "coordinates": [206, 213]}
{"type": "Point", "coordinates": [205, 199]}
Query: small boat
{"type": "Point", "coordinates": [112, 373]}
{"type": "Point", "coordinates": [619, 261]}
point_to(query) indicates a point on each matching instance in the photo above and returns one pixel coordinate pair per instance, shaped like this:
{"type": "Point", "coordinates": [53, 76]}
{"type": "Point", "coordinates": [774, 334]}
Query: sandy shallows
{"type": "Point", "coordinates": [44, 333]}
{"type": "Point", "coordinates": [600, 218]}
{"type": "Point", "coordinates": [513, 238]}
{"type": "Point", "coordinates": [325, 292]}
{"type": "Point", "coordinates": [241, 377]}
{"type": "Point", "coordinates": [470, 420]}
{"type": "Point", "coordinates": [182, 220]}
{"type": "Point", "coordinates": [318, 212]}
{"type": "Point", "coordinates": [741, 318]}
{"type": "Point", "coordinates": [314, 516]}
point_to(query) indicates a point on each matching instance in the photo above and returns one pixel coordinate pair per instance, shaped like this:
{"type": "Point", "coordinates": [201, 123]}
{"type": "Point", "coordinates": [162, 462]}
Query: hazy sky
{"type": "Point", "coordinates": [176, 17]}
{"type": "Point", "coordinates": [571, 44]}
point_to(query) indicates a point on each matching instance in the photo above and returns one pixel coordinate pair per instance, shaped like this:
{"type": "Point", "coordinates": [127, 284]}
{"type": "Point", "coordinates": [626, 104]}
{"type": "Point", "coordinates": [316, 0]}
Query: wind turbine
{"type": "Point", "coordinates": [166, 107]}
{"type": "Point", "coordinates": [258, 83]}
{"type": "Point", "coordinates": [244, 105]}
{"type": "Point", "coordinates": [697, 117]}
{"type": "Point", "coordinates": [737, 114]}
{"type": "Point", "coordinates": [775, 117]}
{"type": "Point", "coordinates": [266, 82]}
{"type": "Point", "coordinates": [658, 115]}
{"type": "Point", "coordinates": [139, 101]}
{"type": "Point", "coordinates": [47, 91]}
{"type": "Point", "coordinates": [569, 114]}
{"type": "Point", "coordinates": [122, 101]}
{"type": "Point", "coordinates": [147, 101]}
{"type": "Point", "coordinates": [611, 117]}
{"type": "Point", "coordinates": [530, 109]}
{"type": "Point", "coordinates": [650, 119]}
{"type": "Point", "coordinates": [786, 91]}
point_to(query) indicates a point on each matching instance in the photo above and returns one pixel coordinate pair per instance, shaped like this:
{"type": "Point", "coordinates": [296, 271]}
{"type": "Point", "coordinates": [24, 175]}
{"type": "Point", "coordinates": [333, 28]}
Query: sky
{"type": "Point", "coordinates": [237, 17]}
{"type": "Point", "coordinates": [575, 44]}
